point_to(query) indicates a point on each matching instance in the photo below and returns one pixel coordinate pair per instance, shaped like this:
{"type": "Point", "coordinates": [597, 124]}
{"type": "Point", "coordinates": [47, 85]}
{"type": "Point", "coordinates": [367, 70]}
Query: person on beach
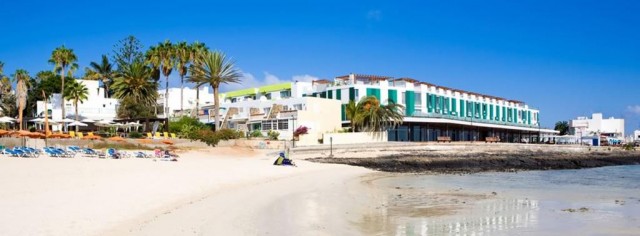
{"type": "Point", "coordinates": [283, 160]}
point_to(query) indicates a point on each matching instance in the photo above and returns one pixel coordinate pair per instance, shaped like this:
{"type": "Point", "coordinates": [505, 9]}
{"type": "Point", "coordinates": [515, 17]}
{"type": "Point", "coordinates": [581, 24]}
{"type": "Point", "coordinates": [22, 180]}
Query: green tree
{"type": "Point", "coordinates": [76, 92]}
{"type": "Point", "coordinates": [135, 83]}
{"type": "Point", "coordinates": [127, 108]}
{"type": "Point", "coordinates": [371, 116]}
{"type": "Point", "coordinates": [214, 69]}
{"type": "Point", "coordinates": [22, 79]}
{"type": "Point", "coordinates": [163, 58]}
{"type": "Point", "coordinates": [562, 126]}
{"type": "Point", "coordinates": [102, 71]}
{"type": "Point", "coordinates": [5, 82]}
{"type": "Point", "coordinates": [63, 58]}
{"type": "Point", "coordinates": [197, 50]}
{"type": "Point", "coordinates": [127, 51]}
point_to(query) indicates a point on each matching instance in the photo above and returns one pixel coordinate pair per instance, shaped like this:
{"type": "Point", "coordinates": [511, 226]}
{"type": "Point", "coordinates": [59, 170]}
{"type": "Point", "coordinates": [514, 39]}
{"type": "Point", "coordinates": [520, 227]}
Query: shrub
{"type": "Point", "coordinates": [135, 134]}
{"type": "Point", "coordinates": [32, 129]}
{"type": "Point", "coordinates": [302, 130]}
{"type": "Point", "coordinates": [226, 134]}
{"type": "Point", "coordinates": [256, 133]}
{"type": "Point", "coordinates": [629, 147]}
{"type": "Point", "coordinates": [273, 135]}
{"type": "Point", "coordinates": [179, 125]}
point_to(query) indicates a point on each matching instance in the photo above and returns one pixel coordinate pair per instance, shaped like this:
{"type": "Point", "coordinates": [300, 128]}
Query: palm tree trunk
{"type": "Point", "coordinates": [76, 104]}
{"type": "Point", "coordinates": [216, 107]}
{"type": "Point", "coordinates": [197, 102]}
{"type": "Point", "coordinates": [106, 88]}
{"type": "Point", "coordinates": [62, 92]}
{"type": "Point", "coordinates": [181, 93]}
{"type": "Point", "coordinates": [20, 115]}
{"type": "Point", "coordinates": [166, 97]}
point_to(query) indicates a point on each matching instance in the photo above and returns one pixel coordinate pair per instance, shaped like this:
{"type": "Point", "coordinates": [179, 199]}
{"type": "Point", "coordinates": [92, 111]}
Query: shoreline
{"type": "Point", "coordinates": [474, 162]}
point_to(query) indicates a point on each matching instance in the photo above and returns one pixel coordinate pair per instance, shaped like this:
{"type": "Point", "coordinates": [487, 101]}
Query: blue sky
{"type": "Point", "coordinates": [567, 58]}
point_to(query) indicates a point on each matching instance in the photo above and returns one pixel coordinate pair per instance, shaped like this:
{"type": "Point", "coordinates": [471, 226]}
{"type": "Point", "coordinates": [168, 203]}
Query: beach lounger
{"type": "Point", "coordinates": [166, 135]}
{"type": "Point", "coordinates": [72, 134]}
{"type": "Point", "coordinates": [158, 135]}
{"type": "Point", "coordinates": [80, 135]}
{"type": "Point", "coordinates": [173, 135]}
{"type": "Point", "coordinates": [149, 135]}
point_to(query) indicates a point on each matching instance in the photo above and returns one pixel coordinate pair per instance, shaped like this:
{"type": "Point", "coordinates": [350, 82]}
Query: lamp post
{"type": "Point", "coordinates": [330, 146]}
{"type": "Point", "coordinates": [293, 121]}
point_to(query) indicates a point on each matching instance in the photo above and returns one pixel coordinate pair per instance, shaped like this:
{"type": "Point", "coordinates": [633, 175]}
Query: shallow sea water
{"type": "Point", "coordinates": [597, 201]}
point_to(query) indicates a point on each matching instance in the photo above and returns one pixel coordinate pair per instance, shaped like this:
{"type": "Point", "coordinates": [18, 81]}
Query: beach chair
{"type": "Point", "coordinates": [53, 152]}
{"type": "Point", "coordinates": [72, 134]}
{"type": "Point", "coordinates": [158, 135]}
{"type": "Point", "coordinates": [166, 135]}
{"type": "Point", "coordinates": [90, 134]}
{"type": "Point", "coordinates": [149, 135]}
{"type": "Point", "coordinates": [173, 135]}
{"type": "Point", "coordinates": [80, 135]}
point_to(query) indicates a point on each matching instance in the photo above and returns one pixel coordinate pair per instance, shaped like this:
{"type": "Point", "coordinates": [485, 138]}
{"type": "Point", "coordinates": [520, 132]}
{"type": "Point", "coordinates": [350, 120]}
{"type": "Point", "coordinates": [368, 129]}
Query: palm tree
{"type": "Point", "coordinates": [562, 126]}
{"type": "Point", "coordinates": [183, 57]}
{"type": "Point", "coordinates": [197, 49]}
{"type": "Point", "coordinates": [163, 57]}
{"type": "Point", "coordinates": [136, 83]}
{"type": "Point", "coordinates": [5, 83]}
{"type": "Point", "coordinates": [76, 92]}
{"type": "Point", "coordinates": [369, 115]}
{"type": "Point", "coordinates": [21, 77]}
{"type": "Point", "coordinates": [63, 58]}
{"type": "Point", "coordinates": [213, 68]}
{"type": "Point", "coordinates": [103, 72]}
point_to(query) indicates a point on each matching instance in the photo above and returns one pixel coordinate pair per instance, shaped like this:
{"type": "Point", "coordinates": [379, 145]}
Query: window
{"type": "Point", "coordinates": [266, 110]}
{"type": "Point", "coordinates": [268, 96]}
{"type": "Point", "coordinates": [446, 106]}
{"type": "Point", "coordinates": [283, 124]}
{"type": "Point", "coordinates": [285, 108]}
{"type": "Point", "coordinates": [266, 125]}
{"type": "Point", "coordinates": [418, 98]}
{"type": "Point", "coordinates": [285, 94]}
{"type": "Point", "coordinates": [404, 94]}
{"type": "Point", "coordinates": [233, 100]}
{"type": "Point", "coordinates": [438, 103]}
{"type": "Point", "coordinates": [297, 107]}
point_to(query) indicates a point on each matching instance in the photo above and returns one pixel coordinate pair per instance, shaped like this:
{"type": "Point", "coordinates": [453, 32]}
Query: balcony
{"type": "Point", "coordinates": [468, 119]}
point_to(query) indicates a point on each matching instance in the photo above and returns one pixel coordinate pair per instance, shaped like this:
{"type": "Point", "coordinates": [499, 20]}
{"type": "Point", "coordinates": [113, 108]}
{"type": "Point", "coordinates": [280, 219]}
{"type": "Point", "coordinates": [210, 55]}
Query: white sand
{"type": "Point", "coordinates": [225, 191]}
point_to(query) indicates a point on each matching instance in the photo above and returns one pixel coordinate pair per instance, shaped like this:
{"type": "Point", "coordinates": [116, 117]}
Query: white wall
{"type": "Point", "coordinates": [584, 126]}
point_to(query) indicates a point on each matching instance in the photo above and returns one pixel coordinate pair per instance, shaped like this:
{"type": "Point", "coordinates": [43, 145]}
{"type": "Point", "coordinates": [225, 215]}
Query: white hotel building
{"type": "Point", "coordinates": [431, 111]}
{"type": "Point", "coordinates": [96, 107]}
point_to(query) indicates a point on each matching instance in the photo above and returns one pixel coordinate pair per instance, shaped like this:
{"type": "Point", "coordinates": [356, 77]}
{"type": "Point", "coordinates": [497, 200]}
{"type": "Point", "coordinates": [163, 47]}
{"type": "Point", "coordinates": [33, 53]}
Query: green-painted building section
{"type": "Point", "coordinates": [330, 94]}
{"type": "Point", "coordinates": [463, 112]}
{"type": "Point", "coordinates": [373, 92]}
{"type": "Point", "coordinates": [343, 111]}
{"type": "Point", "coordinates": [253, 91]}
{"type": "Point", "coordinates": [338, 94]}
{"type": "Point", "coordinates": [392, 96]}
{"type": "Point", "coordinates": [410, 103]}
{"type": "Point", "coordinates": [352, 94]}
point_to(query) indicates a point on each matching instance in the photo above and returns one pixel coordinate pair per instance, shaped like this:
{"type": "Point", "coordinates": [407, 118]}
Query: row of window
{"type": "Point", "coordinates": [283, 94]}
{"type": "Point", "coordinates": [446, 105]}
{"type": "Point", "coordinates": [282, 124]}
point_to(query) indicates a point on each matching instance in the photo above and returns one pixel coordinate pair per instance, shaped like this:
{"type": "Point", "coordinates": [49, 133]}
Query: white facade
{"type": "Point", "coordinates": [636, 135]}
{"type": "Point", "coordinates": [189, 99]}
{"type": "Point", "coordinates": [96, 107]}
{"type": "Point", "coordinates": [612, 127]}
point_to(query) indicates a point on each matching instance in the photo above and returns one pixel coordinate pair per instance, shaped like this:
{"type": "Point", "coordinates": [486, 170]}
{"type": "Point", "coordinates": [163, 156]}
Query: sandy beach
{"type": "Point", "coordinates": [88, 196]}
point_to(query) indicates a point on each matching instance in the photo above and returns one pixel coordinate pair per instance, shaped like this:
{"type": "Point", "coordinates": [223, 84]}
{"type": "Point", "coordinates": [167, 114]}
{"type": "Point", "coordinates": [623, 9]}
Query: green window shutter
{"type": "Point", "coordinates": [352, 94]}
{"type": "Point", "coordinates": [454, 107]}
{"type": "Point", "coordinates": [484, 111]}
{"type": "Point", "coordinates": [343, 111]}
{"type": "Point", "coordinates": [410, 103]}
{"type": "Point", "coordinates": [504, 114]}
{"type": "Point", "coordinates": [330, 94]}
{"type": "Point", "coordinates": [338, 94]}
{"type": "Point", "coordinates": [323, 94]}
{"type": "Point", "coordinates": [429, 103]}
{"type": "Point", "coordinates": [463, 112]}
{"type": "Point", "coordinates": [528, 117]}
{"type": "Point", "coordinates": [392, 95]}
{"type": "Point", "coordinates": [491, 112]}
{"type": "Point", "coordinates": [373, 92]}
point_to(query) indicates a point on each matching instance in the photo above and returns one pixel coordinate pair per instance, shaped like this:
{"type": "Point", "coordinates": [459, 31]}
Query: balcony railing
{"type": "Point", "coordinates": [469, 119]}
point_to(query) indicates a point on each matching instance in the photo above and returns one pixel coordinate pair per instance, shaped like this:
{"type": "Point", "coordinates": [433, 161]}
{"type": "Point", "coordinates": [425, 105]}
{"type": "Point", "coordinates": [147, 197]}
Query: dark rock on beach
{"type": "Point", "coordinates": [484, 162]}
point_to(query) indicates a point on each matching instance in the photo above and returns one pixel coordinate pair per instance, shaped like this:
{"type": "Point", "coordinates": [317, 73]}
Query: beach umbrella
{"type": "Point", "coordinates": [67, 120]}
{"type": "Point", "coordinates": [6, 119]}
{"type": "Point", "coordinates": [76, 123]}
{"type": "Point", "coordinates": [37, 120]}
{"type": "Point", "coordinates": [87, 120]}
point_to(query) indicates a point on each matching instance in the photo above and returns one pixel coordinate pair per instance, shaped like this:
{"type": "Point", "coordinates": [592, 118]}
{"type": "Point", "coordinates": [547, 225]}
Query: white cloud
{"type": "Point", "coordinates": [634, 109]}
{"type": "Point", "coordinates": [374, 15]}
{"type": "Point", "coordinates": [250, 81]}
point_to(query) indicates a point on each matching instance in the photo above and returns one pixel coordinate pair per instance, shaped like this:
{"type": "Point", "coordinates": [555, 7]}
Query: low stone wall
{"type": "Point", "coordinates": [255, 143]}
{"type": "Point", "coordinates": [353, 138]}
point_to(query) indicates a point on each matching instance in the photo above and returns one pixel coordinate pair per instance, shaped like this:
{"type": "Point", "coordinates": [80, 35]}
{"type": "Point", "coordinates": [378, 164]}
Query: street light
{"type": "Point", "coordinates": [293, 130]}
